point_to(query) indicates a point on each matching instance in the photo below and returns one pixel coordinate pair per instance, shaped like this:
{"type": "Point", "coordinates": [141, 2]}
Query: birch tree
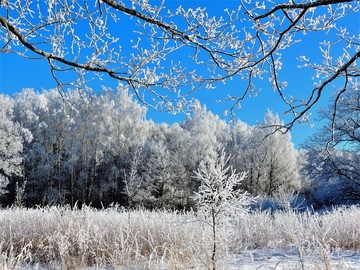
{"type": "Point", "coordinates": [132, 180]}
{"type": "Point", "coordinates": [277, 161]}
{"type": "Point", "coordinates": [11, 144]}
{"type": "Point", "coordinates": [268, 155]}
{"type": "Point", "coordinates": [47, 158]}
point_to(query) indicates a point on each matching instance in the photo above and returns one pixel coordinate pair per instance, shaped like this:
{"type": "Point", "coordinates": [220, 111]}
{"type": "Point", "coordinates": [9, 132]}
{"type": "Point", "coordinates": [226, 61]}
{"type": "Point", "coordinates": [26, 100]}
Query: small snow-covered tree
{"type": "Point", "coordinates": [132, 179]}
{"type": "Point", "coordinates": [219, 198]}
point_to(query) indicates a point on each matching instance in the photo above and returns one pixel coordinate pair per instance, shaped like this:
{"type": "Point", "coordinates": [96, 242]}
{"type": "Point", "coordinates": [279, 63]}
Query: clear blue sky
{"type": "Point", "coordinates": [17, 73]}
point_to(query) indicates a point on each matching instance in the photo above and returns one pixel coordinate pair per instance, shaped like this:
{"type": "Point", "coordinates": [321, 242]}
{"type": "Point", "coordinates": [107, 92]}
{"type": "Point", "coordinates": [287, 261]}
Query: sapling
{"type": "Point", "coordinates": [132, 180]}
{"type": "Point", "coordinates": [219, 198]}
{"type": "Point", "coordinates": [19, 194]}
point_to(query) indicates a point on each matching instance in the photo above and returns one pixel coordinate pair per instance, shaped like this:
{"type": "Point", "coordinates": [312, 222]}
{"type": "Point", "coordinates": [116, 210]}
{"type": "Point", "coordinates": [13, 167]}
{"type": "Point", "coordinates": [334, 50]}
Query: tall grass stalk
{"type": "Point", "coordinates": [64, 238]}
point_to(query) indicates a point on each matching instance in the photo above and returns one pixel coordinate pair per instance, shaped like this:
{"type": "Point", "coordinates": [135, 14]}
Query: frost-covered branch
{"type": "Point", "coordinates": [280, 26]}
{"type": "Point", "coordinates": [165, 54]}
{"type": "Point", "coordinates": [294, 5]}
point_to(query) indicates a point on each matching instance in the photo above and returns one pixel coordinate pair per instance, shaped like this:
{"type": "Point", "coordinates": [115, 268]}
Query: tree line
{"type": "Point", "coordinates": [83, 147]}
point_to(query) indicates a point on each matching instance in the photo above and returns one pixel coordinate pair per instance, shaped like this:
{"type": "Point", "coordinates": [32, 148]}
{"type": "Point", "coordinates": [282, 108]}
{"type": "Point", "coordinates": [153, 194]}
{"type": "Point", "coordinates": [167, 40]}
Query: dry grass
{"type": "Point", "coordinates": [337, 229]}
{"type": "Point", "coordinates": [75, 239]}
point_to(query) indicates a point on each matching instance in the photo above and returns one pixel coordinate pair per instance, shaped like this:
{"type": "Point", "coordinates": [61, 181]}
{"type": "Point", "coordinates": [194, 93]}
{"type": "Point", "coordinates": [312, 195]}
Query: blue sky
{"type": "Point", "coordinates": [17, 73]}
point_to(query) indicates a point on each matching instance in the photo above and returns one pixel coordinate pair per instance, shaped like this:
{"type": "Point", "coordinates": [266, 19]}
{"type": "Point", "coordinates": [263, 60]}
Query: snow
{"type": "Point", "coordinates": [265, 260]}
{"type": "Point", "coordinates": [287, 260]}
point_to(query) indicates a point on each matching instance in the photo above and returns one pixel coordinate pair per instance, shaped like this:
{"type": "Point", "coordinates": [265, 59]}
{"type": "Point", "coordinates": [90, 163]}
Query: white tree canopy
{"type": "Point", "coordinates": [11, 143]}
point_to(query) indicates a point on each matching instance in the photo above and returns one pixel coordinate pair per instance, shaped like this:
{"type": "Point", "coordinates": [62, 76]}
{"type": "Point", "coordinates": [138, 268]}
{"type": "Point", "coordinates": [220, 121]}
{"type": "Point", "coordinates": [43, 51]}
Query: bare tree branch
{"type": "Point", "coordinates": [284, 7]}
{"type": "Point", "coordinates": [317, 92]}
{"type": "Point", "coordinates": [50, 56]}
{"type": "Point", "coordinates": [172, 54]}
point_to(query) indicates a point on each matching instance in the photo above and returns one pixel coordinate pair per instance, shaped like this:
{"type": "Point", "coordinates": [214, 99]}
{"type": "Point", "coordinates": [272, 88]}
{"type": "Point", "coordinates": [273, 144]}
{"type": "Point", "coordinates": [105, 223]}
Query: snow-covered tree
{"type": "Point", "coordinates": [278, 158]}
{"type": "Point", "coordinates": [219, 199]}
{"type": "Point", "coordinates": [43, 114]}
{"type": "Point", "coordinates": [333, 153]}
{"type": "Point", "coordinates": [158, 190]}
{"type": "Point", "coordinates": [271, 160]}
{"type": "Point", "coordinates": [342, 118]}
{"type": "Point", "coordinates": [11, 143]}
{"type": "Point", "coordinates": [180, 149]}
{"type": "Point", "coordinates": [208, 133]}
{"type": "Point", "coordinates": [241, 148]}
{"type": "Point", "coordinates": [105, 129]}
{"type": "Point", "coordinates": [332, 178]}
{"type": "Point", "coordinates": [125, 130]}
{"type": "Point", "coordinates": [81, 142]}
{"type": "Point", "coordinates": [132, 179]}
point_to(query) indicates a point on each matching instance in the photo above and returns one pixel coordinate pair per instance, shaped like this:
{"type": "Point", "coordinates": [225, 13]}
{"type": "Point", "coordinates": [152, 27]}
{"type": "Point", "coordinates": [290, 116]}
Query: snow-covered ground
{"type": "Point", "coordinates": [265, 260]}
{"type": "Point", "coordinates": [287, 260]}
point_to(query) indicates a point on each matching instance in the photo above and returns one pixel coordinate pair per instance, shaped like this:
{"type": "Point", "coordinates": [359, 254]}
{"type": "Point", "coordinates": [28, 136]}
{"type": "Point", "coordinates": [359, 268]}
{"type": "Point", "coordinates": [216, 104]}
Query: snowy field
{"type": "Point", "coordinates": [61, 238]}
{"type": "Point", "coordinates": [265, 260]}
{"type": "Point", "coordinates": [287, 260]}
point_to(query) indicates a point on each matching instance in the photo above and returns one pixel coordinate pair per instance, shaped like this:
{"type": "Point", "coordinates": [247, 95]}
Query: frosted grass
{"type": "Point", "coordinates": [63, 238]}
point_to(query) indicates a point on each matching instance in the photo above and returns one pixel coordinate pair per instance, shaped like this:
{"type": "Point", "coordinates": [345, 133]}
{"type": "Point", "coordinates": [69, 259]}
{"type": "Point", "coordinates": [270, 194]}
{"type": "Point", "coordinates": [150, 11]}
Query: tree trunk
{"type": "Point", "coordinates": [213, 256]}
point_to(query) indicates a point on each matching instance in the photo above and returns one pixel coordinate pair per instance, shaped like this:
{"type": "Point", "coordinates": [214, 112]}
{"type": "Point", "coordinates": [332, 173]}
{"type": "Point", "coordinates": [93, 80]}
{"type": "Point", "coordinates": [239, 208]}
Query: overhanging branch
{"type": "Point", "coordinates": [51, 56]}
{"type": "Point", "coordinates": [300, 6]}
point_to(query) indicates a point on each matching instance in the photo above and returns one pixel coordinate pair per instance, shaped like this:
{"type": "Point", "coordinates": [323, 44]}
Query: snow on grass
{"type": "Point", "coordinates": [64, 238]}
{"type": "Point", "coordinates": [287, 260]}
